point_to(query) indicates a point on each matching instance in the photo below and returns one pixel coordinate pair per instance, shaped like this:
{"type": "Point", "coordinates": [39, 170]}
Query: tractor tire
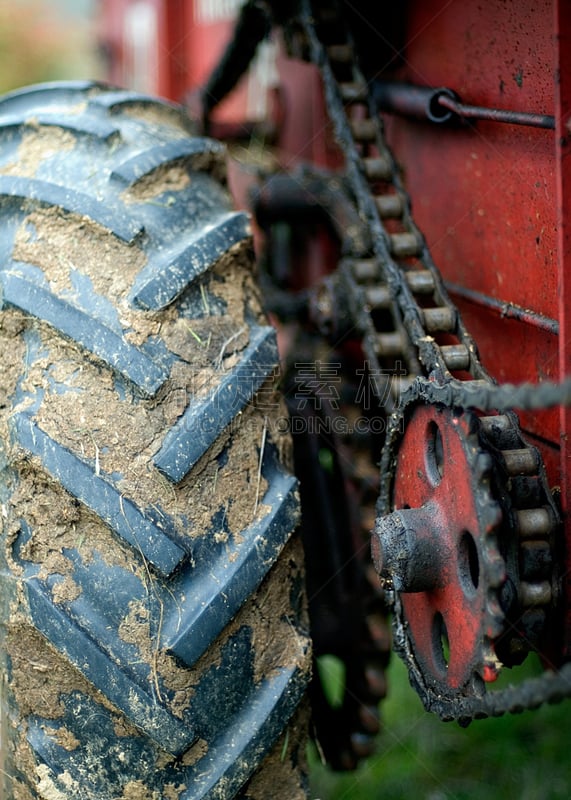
{"type": "Point", "coordinates": [154, 627]}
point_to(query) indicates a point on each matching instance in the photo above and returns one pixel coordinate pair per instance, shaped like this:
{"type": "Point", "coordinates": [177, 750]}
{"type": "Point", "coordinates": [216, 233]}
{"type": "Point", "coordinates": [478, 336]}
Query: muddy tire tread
{"type": "Point", "coordinates": [194, 589]}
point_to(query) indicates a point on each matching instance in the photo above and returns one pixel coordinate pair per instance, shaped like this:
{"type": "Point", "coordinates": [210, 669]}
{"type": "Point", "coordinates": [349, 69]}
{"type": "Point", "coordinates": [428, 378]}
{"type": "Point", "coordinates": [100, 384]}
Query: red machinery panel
{"type": "Point", "coordinates": [169, 47]}
{"type": "Point", "coordinates": [485, 194]}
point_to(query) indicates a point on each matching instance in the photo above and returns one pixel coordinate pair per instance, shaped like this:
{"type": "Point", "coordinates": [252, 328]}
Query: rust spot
{"type": "Point", "coordinates": [518, 77]}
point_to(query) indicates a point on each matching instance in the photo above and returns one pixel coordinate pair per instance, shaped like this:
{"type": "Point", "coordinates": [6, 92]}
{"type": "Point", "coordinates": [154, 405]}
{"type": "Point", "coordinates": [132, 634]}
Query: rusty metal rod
{"type": "Point", "coordinates": [496, 114]}
{"type": "Point", "coordinates": [505, 309]}
{"type": "Point", "coordinates": [442, 105]}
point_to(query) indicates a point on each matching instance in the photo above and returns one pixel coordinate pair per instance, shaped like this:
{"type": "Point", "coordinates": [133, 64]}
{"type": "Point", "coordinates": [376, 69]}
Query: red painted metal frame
{"type": "Point", "coordinates": [484, 194]}
{"type": "Point", "coordinates": [562, 39]}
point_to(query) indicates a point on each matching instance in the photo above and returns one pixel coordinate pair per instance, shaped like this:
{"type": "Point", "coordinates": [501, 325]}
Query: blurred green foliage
{"type": "Point", "coordinates": [523, 757]}
{"type": "Point", "coordinates": [39, 42]}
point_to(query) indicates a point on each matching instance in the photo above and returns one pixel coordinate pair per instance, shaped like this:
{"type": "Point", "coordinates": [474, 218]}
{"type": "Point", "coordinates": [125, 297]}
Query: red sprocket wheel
{"type": "Point", "coordinates": [438, 551]}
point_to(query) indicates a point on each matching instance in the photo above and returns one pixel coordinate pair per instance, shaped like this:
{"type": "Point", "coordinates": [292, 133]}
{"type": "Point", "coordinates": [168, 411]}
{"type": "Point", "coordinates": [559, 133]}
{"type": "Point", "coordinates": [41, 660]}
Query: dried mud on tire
{"type": "Point", "coordinates": [154, 631]}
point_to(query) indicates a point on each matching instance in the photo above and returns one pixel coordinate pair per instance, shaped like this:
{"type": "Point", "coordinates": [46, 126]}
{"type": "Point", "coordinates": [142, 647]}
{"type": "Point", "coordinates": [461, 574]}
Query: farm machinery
{"type": "Point", "coordinates": [406, 178]}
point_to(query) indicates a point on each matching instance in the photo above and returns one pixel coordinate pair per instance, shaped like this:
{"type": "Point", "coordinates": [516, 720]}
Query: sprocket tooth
{"type": "Point", "coordinates": [483, 465]}
{"type": "Point", "coordinates": [469, 423]}
{"type": "Point", "coordinates": [496, 568]}
{"type": "Point", "coordinates": [495, 619]}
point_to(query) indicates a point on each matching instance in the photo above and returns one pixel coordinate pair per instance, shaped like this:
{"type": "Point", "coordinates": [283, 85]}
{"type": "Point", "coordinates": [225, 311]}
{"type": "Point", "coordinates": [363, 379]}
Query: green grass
{"type": "Point", "coordinates": [523, 757]}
